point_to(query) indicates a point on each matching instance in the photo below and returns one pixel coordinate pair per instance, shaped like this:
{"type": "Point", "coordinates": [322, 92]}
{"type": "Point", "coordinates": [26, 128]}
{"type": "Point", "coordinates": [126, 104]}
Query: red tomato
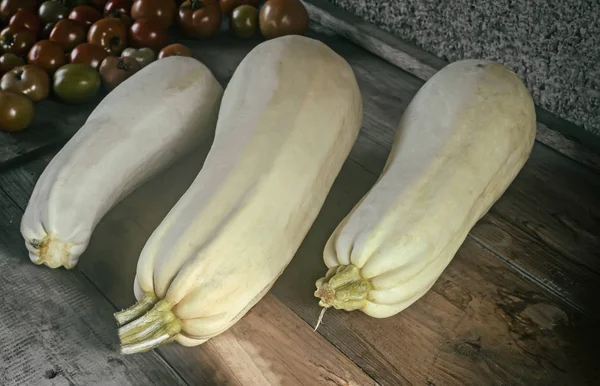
{"type": "Point", "coordinates": [9, 7]}
{"type": "Point", "coordinates": [16, 40]}
{"type": "Point", "coordinates": [148, 33]}
{"type": "Point", "coordinates": [85, 14]}
{"type": "Point", "coordinates": [174, 50]}
{"type": "Point", "coordinates": [283, 17]}
{"type": "Point", "coordinates": [47, 55]}
{"type": "Point", "coordinates": [89, 54]}
{"type": "Point", "coordinates": [110, 34]}
{"type": "Point", "coordinates": [162, 10]}
{"type": "Point", "coordinates": [119, 9]}
{"type": "Point", "coordinates": [199, 19]}
{"type": "Point", "coordinates": [68, 33]}
{"type": "Point", "coordinates": [27, 19]}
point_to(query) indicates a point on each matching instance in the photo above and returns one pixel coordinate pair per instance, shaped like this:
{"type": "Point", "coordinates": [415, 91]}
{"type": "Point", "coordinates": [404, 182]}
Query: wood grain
{"type": "Point", "coordinates": [547, 225]}
{"type": "Point", "coordinates": [482, 323]}
{"type": "Point", "coordinates": [564, 137]}
{"type": "Point", "coordinates": [271, 345]}
{"type": "Point", "coordinates": [56, 328]}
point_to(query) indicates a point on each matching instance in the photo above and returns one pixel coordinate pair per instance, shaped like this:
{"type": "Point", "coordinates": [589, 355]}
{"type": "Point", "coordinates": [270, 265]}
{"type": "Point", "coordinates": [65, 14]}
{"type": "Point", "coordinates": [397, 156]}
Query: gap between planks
{"type": "Point", "coordinates": [424, 65]}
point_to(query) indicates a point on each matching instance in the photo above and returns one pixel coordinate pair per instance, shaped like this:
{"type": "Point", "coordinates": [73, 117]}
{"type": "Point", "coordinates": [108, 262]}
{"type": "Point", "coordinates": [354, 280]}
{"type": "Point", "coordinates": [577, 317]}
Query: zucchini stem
{"type": "Point", "coordinates": [138, 309]}
{"type": "Point", "coordinates": [157, 326]}
{"type": "Point", "coordinates": [343, 289]}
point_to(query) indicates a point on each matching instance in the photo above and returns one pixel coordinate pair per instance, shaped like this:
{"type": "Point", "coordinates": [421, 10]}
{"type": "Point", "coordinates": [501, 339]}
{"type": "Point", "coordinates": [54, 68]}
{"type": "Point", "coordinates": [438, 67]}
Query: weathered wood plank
{"type": "Point", "coordinates": [551, 131]}
{"type": "Point", "coordinates": [56, 328]}
{"type": "Point", "coordinates": [481, 324]}
{"type": "Point", "coordinates": [547, 224]}
{"type": "Point", "coordinates": [271, 345]}
{"type": "Point", "coordinates": [45, 131]}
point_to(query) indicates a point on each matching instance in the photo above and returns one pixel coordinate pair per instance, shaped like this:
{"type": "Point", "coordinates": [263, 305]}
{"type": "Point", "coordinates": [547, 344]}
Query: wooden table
{"type": "Point", "coordinates": [516, 306]}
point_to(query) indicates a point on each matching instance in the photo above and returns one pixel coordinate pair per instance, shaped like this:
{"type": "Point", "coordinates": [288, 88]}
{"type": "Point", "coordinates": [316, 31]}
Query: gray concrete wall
{"type": "Point", "coordinates": [553, 45]}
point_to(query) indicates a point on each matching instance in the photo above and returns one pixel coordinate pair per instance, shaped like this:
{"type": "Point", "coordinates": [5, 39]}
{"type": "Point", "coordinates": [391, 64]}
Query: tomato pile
{"type": "Point", "coordinates": [71, 48]}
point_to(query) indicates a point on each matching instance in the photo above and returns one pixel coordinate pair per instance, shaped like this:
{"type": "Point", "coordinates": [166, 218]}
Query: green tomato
{"type": "Point", "coordinates": [144, 56]}
{"type": "Point", "coordinates": [76, 83]}
{"type": "Point", "coordinates": [52, 11]}
{"type": "Point", "coordinates": [244, 21]}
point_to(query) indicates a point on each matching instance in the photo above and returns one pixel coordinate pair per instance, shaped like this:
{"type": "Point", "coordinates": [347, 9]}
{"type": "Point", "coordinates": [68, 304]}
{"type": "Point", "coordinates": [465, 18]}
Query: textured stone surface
{"type": "Point", "coordinates": [554, 46]}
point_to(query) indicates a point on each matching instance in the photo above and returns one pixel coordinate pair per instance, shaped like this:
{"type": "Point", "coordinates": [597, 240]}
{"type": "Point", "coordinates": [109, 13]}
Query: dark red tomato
{"type": "Point", "coordinates": [110, 34]}
{"type": "Point", "coordinates": [88, 53]}
{"type": "Point", "coordinates": [27, 19]}
{"type": "Point", "coordinates": [16, 40]}
{"type": "Point", "coordinates": [68, 33]}
{"type": "Point", "coordinates": [162, 10]}
{"type": "Point", "coordinates": [229, 5]}
{"type": "Point", "coordinates": [174, 50]}
{"type": "Point", "coordinates": [283, 17]}
{"type": "Point", "coordinates": [199, 19]}
{"type": "Point", "coordinates": [119, 9]}
{"type": "Point", "coordinates": [9, 7]}
{"type": "Point", "coordinates": [85, 14]}
{"type": "Point", "coordinates": [47, 54]}
{"type": "Point", "coordinates": [148, 33]}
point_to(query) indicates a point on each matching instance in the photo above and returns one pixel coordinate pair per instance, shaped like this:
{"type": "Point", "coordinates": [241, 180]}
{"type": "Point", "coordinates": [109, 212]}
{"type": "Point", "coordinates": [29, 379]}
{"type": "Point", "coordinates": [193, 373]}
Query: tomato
{"type": "Point", "coordinates": [88, 53]}
{"type": "Point", "coordinates": [115, 71]}
{"type": "Point", "coordinates": [110, 34]}
{"type": "Point", "coordinates": [52, 11]}
{"type": "Point", "coordinates": [283, 17]}
{"type": "Point", "coordinates": [144, 56]}
{"type": "Point", "coordinates": [199, 19]}
{"type": "Point", "coordinates": [47, 54]}
{"type": "Point", "coordinates": [16, 111]}
{"type": "Point", "coordinates": [8, 62]}
{"type": "Point", "coordinates": [76, 83]}
{"type": "Point", "coordinates": [162, 10]}
{"type": "Point", "coordinates": [27, 19]}
{"type": "Point", "coordinates": [119, 9]}
{"type": "Point", "coordinates": [229, 5]}
{"type": "Point", "coordinates": [68, 33]}
{"type": "Point", "coordinates": [28, 80]}
{"type": "Point", "coordinates": [148, 33]}
{"type": "Point", "coordinates": [9, 7]}
{"type": "Point", "coordinates": [17, 40]}
{"type": "Point", "coordinates": [85, 14]}
{"type": "Point", "coordinates": [174, 50]}
{"type": "Point", "coordinates": [244, 21]}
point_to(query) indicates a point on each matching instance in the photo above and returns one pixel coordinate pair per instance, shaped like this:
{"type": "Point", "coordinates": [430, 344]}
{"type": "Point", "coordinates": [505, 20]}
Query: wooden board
{"type": "Point", "coordinates": [481, 324]}
{"type": "Point", "coordinates": [56, 328]}
{"type": "Point", "coordinates": [271, 345]}
{"type": "Point", "coordinates": [482, 320]}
